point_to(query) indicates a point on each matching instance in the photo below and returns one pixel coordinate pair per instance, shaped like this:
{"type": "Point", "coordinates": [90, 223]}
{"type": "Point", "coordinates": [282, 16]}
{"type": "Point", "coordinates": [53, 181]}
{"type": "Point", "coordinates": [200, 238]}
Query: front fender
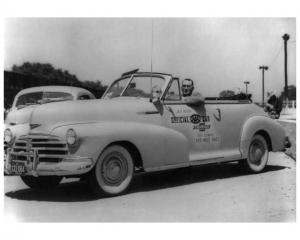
{"type": "Point", "coordinates": [155, 143]}
{"type": "Point", "coordinates": [262, 123]}
{"type": "Point", "coordinates": [18, 130]}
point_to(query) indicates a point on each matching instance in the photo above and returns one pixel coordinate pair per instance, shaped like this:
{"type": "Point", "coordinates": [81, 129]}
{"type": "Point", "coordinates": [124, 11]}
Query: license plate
{"type": "Point", "coordinates": [18, 168]}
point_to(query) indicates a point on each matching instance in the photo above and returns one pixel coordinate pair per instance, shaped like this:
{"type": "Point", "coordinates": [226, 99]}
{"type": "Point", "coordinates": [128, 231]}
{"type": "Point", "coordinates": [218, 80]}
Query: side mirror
{"type": "Point", "coordinates": [194, 101]}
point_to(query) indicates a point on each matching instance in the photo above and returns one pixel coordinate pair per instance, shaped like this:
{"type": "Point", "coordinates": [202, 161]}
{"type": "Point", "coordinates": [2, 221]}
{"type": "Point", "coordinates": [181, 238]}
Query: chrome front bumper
{"type": "Point", "coordinates": [70, 165]}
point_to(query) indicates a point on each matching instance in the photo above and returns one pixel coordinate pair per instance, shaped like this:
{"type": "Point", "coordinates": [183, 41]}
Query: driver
{"type": "Point", "coordinates": [187, 88]}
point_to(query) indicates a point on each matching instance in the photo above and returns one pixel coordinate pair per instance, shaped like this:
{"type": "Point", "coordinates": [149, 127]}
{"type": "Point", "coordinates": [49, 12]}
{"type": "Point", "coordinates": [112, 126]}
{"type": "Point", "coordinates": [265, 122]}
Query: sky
{"type": "Point", "coordinates": [217, 53]}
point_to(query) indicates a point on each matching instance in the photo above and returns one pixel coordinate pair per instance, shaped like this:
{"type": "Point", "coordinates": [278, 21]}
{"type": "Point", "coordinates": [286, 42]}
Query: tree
{"type": "Point", "coordinates": [226, 93]}
{"type": "Point", "coordinates": [46, 74]}
{"type": "Point", "coordinates": [231, 95]}
{"type": "Point", "coordinates": [95, 87]}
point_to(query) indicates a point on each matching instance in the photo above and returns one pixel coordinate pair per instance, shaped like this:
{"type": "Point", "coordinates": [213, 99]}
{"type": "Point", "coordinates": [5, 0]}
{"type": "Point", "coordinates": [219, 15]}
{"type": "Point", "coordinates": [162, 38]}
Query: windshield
{"type": "Point", "coordinates": [139, 86]}
{"type": "Point", "coordinates": [57, 96]}
{"type": "Point", "coordinates": [40, 97]}
{"type": "Point", "coordinates": [29, 99]}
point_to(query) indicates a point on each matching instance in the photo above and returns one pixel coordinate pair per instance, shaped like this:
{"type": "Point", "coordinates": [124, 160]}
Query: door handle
{"type": "Point", "coordinates": [148, 112]}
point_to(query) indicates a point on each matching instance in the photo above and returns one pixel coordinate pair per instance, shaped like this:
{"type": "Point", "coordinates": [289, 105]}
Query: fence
{"type": "Point", "coordinates": [289, 104]}
{"type": "Point", "coordinates": [289, 108]}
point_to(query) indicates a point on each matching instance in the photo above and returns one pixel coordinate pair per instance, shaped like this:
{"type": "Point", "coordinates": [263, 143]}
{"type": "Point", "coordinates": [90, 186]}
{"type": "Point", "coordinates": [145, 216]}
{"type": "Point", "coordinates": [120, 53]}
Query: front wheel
{"type": "Point", "coordinates": [258, 154]}
{"type": "Point", "coordinates": [113, 172]}
{"type": "Point", "coordinates": [42, 182]}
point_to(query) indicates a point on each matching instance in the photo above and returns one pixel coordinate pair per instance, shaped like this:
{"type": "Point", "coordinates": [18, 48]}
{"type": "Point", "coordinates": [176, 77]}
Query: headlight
{"type": "Point", "coordinates": [71, 137]}
{"type": "Point", "coordinates": [8, 136]}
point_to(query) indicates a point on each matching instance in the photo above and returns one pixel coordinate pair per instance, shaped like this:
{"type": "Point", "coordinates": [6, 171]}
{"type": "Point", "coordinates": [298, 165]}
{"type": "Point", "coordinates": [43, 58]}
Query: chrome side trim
{"type": "Point", "coordinates": [191, 163]}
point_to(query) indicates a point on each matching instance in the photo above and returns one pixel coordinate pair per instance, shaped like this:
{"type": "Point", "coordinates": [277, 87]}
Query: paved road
{"type": "Point", "coordinates": [201, 194]}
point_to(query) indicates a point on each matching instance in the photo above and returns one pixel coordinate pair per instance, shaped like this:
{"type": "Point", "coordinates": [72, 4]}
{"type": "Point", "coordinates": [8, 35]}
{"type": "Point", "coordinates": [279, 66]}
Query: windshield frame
{"type": "Point", "coordinates": [113, 83]}
{"type": "Point", "coordinates": [167, 79]}
{"type": "Point", "coordinates": [163, 97]}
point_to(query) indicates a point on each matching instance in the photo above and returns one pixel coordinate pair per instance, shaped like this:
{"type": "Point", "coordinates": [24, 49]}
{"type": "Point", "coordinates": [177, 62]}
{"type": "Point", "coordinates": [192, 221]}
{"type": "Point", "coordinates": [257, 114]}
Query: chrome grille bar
{"type": "Point", "coordinates": [49, 148]}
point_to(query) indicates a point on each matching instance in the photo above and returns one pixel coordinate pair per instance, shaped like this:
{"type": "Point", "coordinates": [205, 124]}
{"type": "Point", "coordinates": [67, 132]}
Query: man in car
{"type": "Point", "coordinates": [187, 88]}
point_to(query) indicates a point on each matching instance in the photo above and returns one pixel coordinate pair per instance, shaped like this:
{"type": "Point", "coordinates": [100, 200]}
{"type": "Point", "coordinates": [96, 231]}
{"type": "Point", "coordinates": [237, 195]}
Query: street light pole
{"type": "Point", "coordinates": [246, 83]}
{"type": "Point", "coordinates": [263, 68]}
{"type": "Point", "coordinates": [285, 37]}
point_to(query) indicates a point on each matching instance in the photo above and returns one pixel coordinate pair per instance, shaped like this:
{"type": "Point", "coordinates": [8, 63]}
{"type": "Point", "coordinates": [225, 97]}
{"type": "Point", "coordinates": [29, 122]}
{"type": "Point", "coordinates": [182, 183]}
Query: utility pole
{"type": "Point", "coordinates": [263, 68]}
{"type": "Point", "coordinates": [285, 37]}
{"type": "Point", "coordinates": [246, 83]}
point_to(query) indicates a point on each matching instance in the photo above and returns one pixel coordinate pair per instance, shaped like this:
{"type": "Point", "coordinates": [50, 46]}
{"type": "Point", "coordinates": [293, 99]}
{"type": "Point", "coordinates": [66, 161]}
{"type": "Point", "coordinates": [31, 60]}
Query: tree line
{"type": "Point", "coordinates": [229, 94]}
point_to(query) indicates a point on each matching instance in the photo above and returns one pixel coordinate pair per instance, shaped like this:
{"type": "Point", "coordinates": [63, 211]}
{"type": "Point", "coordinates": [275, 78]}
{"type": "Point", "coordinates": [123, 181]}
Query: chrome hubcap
{"type": "Point", "coordinates": [114, 169]}
{"type": "Point", "coordinates": [257, 151]}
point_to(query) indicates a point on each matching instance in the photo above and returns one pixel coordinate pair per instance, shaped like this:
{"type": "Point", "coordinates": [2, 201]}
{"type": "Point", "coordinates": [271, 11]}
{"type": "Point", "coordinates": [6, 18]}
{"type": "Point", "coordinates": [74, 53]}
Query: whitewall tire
{"type": "Point", "coordinates": [258, 154]}
{"type": "Point", "coordinates": [113, 171]}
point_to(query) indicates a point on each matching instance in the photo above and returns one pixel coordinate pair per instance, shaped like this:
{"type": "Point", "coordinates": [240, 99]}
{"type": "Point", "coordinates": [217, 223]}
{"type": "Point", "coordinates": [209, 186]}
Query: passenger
{"type": "Point", "coordinates": [271, 101]}
{"type": "Point", "coordinates": [274, 104]}
{"type": "Point", "coordinates": [156, 91]}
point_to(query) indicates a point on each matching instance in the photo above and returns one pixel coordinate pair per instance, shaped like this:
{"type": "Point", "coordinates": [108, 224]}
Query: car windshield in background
{"type": "Point", "coordinates": [59, 96]}
{"type": "Point", "coordinates": [139, 86]}
{"type": "Point", "coordinates": [29, 99]}
{"type": "Point", "coordinates": [40, 97]}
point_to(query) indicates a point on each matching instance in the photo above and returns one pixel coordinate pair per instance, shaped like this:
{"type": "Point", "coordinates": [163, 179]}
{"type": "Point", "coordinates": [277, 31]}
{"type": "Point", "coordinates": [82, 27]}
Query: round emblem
{"type": "Point", "coordinates": [195, 118]}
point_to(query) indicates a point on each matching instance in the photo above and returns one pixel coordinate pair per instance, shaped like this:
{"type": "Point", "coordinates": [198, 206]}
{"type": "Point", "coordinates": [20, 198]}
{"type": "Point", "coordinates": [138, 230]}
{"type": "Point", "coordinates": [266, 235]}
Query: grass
{"type": "Point", "coordinates": [290, 129]}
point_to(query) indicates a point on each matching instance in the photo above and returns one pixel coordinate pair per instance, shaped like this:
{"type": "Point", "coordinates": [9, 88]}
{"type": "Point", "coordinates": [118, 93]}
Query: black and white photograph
{"type": "Point", "coordinates": [149, 119]}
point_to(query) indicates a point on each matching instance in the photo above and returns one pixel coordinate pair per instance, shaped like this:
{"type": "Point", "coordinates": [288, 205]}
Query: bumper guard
{"type": "Point", "coordinates": [70, 165]}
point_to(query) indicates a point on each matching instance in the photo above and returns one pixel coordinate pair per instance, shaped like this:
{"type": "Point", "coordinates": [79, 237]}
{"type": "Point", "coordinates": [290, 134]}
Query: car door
{"type": "Point", "coordinates": [229, 118]}
{"type": "Point", "coordinates": [195, 122]}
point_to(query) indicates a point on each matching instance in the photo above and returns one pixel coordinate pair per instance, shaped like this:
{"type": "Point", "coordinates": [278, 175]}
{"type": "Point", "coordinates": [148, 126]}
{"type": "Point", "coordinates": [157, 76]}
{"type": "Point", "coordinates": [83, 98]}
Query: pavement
{"type": "Point", "coordinates": [215, 193]}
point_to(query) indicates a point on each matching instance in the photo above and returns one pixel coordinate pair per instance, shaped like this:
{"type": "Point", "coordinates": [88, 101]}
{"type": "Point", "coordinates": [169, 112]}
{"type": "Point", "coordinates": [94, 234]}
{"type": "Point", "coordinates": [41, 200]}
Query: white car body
{"type": "Point", "coordinates": [17, 115]}
{"type": "Point", "coordinates": [160, 133]}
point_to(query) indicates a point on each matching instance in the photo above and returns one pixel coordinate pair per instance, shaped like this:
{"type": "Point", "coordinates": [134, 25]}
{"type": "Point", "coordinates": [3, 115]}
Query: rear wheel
{"type": "Point", "coordinates": [258, 154]}
{"type": "Point", "coordinates": [113, 172]}
{"type": "Point", "coordinates": [42, 182]}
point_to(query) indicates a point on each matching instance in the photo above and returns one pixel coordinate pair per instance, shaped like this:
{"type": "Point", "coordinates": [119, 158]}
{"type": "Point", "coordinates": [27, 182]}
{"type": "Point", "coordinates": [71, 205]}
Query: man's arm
{"type": "Point", "coordinates": [196, 97]}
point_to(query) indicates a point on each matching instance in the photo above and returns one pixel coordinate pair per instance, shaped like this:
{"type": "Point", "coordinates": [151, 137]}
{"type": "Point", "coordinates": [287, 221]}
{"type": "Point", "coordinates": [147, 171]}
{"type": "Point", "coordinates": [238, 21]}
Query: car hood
{"type": "Point", "coordinates": [116, 109]}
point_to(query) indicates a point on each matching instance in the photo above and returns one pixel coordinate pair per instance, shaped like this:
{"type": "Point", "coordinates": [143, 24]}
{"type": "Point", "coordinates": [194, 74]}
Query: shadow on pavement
{"type": "Point", "coordinates": [79, 191]}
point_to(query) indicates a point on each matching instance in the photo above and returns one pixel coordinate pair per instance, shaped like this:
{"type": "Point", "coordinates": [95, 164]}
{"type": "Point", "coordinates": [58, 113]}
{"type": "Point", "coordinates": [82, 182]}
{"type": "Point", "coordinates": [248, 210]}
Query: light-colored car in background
{"type": "Point", "coordinates": [142, 124]}
{"type": "Point", "coordinates": [28, 99]}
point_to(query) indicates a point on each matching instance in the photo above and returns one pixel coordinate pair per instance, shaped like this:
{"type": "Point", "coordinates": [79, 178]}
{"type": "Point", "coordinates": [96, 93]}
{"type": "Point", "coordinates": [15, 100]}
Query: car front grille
{"type": "Point", "coordinates": [49, 148]}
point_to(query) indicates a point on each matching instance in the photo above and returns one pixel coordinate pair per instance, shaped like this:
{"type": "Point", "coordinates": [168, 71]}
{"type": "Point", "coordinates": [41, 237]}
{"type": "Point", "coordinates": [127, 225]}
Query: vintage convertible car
{"type": "Point", "coordinates": [141, 124]}
{"type": "Point", "coordinates": [28, 99]}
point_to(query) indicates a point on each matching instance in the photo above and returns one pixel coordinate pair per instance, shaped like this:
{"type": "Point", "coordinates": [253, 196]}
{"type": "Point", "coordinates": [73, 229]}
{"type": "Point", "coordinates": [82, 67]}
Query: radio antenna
{"type": "Point", "coordinates": [151, 64]}
{"type": "Point", "coordinates": [151, 43]}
